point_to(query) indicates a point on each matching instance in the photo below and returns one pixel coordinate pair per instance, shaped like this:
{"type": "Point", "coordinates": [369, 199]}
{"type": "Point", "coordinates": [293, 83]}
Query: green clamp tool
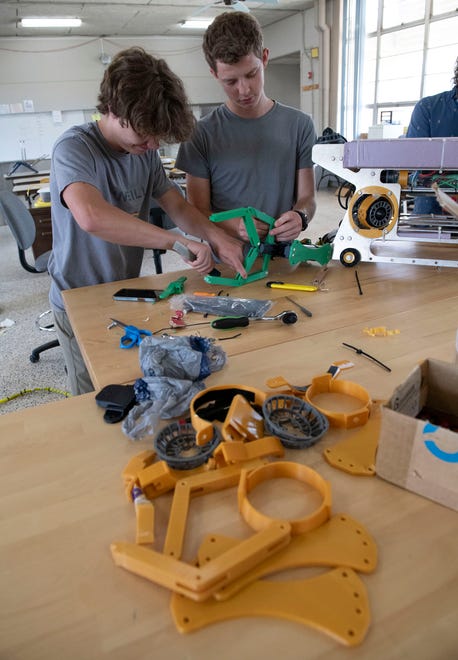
{"type": "Point", "coordinates": [177, 286]}
{"type": "Point", "coordinates": [247, 214]}
{"type": "Point", "coordinates": [296, 252]}
{"type": "Point", "coordinates": [300, 251]}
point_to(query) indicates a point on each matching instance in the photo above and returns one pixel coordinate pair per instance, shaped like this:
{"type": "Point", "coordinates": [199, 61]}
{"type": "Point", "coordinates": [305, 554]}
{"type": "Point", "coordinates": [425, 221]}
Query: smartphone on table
{"type": "Point", "coordinates": [136, 295]}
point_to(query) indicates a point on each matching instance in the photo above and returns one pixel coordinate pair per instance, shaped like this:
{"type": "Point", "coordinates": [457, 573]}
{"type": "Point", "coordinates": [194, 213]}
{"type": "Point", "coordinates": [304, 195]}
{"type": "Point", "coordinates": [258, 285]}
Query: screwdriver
{"type": "Point", "coordinates": [306, 311]}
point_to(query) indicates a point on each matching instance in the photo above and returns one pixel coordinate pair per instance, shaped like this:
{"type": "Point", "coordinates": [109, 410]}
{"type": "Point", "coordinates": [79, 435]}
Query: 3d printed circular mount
{"type": "Point", "coordinates": [373, 211]}
{"type": "Point", "coordinates": [344, 403]}
{"type": "Point", "coordinates": [297, 423]}
{"type": "Point", "coordinates": [290, 470]}
{"type": "Point", "coordinates": [176, 445]}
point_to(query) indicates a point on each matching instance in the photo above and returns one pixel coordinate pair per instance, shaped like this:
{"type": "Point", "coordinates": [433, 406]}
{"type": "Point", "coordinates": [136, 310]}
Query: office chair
{"type": "Point", "coordinates": [22, 226]}
{"type": "Point", "coordinates": [159, 218]}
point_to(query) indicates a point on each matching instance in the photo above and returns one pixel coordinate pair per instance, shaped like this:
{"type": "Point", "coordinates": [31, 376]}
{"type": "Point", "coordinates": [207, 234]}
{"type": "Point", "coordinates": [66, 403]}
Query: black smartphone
{"type": "Point", "coordinates": [136, 295]}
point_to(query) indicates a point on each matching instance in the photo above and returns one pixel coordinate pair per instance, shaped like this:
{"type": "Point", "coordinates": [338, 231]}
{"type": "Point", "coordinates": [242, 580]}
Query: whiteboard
{"type": "Point", "coordinates": [38, 131]}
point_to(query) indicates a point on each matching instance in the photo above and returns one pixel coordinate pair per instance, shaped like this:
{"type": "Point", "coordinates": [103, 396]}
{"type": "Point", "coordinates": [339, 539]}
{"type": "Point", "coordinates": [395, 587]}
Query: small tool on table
{"type": "Point", "coordinates": [303, 309]}
{"type": "Point", "coordinates": [132, 335]}
{"type": "Point", "coordinates": [228, 322]}
{"type": "Point", "coordinates": [287, 317]}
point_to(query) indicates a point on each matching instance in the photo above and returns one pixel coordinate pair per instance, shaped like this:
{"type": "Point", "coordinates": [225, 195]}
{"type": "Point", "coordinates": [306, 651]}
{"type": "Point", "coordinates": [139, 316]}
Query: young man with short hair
{"type": "Point", "coordinates": [252, 150]}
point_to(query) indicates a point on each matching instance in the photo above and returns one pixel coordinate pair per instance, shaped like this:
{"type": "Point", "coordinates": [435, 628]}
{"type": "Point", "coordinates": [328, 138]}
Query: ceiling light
{"type": "Point", "coordinates": [197, 23]}
{"type": "Point", "coordinates": [50, 22]}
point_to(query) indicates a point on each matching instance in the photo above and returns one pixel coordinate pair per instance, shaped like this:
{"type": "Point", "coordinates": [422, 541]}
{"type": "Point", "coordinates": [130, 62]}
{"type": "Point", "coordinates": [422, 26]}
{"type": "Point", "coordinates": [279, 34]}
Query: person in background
{"type": "Point", "coordinates": [435, 116]}
{"type": "Point", "coordinates": [104, 176]}
{"type": "Point", "coordinates": [251, 150]}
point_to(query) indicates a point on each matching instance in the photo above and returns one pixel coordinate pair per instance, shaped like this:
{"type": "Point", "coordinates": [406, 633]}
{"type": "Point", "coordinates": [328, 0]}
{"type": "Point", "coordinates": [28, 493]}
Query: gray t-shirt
{"type": "Point", "coordinates": [126, 181]}
{"type": "Point", "coordinates": [250, 162]}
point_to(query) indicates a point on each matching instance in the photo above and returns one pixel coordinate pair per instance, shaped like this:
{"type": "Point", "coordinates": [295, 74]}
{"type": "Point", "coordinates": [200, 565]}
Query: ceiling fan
{"type": "Point", "coordinates": [238, 5]}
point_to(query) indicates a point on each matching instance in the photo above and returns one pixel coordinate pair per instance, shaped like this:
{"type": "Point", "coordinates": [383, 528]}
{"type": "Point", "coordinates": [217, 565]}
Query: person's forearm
{"type": "Point", "coordinates": [307, 205]}
{"type": "Point", "coordinates": [116, 226]}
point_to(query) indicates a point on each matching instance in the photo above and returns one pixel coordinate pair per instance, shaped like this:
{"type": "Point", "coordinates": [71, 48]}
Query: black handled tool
{"type": "Point", "coordinates": [229, 322]}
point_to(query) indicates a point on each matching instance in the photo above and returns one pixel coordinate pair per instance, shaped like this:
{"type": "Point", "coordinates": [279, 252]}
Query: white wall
{"type": "Point", "coordinates": [64, 73]}
{"type": "Point", "coordinates": [282, 83]}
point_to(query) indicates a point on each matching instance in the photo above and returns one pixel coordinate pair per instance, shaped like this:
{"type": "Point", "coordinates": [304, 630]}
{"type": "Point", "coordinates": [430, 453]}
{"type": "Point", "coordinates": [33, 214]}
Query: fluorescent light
{"type": "Point", "coordinates": [197, 23]}
{"type": "Point", "coordinates": [50, 22]}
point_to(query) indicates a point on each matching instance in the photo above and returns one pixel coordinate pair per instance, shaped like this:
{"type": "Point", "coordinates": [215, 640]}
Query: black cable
{"type": "Point", "coordinates": [360, 351]}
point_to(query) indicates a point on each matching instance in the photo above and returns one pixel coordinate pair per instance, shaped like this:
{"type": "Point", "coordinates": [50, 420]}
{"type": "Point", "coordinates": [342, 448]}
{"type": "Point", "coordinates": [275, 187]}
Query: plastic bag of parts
{"type": "Point", "coordinates": [188, 358]}
{"type": "Point", "coordinates": [142, 420]}
{"type": "Point", "coordinates": [222, 305]}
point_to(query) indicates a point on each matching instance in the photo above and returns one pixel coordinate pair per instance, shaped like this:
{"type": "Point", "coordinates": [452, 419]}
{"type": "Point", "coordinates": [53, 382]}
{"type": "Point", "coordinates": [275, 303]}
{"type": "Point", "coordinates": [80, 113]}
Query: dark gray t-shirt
{"type": "Point", "coordinates": [250, 162]}
{"type": "Point", "coordinates": [129, 182]}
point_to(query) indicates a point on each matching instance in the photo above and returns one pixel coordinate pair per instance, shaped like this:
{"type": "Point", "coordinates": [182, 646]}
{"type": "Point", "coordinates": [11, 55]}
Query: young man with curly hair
{"type": "Point", "coordinates": [105, 177]}
{"type": "Point", "coordinates": [252, 150]}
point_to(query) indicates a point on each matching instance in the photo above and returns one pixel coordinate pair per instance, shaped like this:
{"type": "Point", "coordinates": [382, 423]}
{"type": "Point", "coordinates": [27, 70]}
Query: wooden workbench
{"type": "Point", "coordinates": [62, 504]}
{"type": "Point", "coordinates": [421, 302]}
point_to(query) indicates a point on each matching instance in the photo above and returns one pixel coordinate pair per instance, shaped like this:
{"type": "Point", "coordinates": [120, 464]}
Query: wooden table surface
{"type": "Point", "coordinates": [396, 296]}
{"type": "Point", "coordinates": [62, 504]}
{"type": "Point", "coordinates": [25, 174]}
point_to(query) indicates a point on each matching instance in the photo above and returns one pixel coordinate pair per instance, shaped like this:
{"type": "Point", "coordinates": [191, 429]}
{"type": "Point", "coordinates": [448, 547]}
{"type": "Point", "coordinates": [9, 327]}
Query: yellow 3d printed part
{"type": "Point", "coordinates": [194, 485]}
{"type": "Point", "coordinates": [380, 331]}
{"type": "Point", "coordinates": [342, 541]}
{"type": "Point", "coordinates": [242, 421]}
{"type": "Point", "coordinates": [355, 454]}
{"type": "Point", "coordinates": [283, 469]}
{"type": "Point", "coordinates": [228, 453]}
{"type": "Point", "coordinates": [159, 478]}
{"type": "Point", "coordinates": [133, 467]}
{"type": "Point", "coordinates": [201, 583]}
{"type": "Point", "coordinates": [335, 603]}
{"type": "Point", "coordinates": [214, 403]}
{"type": "Point", "coordinates": [345, 404]}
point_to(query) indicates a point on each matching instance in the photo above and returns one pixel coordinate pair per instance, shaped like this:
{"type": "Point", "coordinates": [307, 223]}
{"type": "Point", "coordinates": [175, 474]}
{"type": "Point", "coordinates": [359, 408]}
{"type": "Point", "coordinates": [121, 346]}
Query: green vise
{"type": "Point", "coordinates": [296, 251]}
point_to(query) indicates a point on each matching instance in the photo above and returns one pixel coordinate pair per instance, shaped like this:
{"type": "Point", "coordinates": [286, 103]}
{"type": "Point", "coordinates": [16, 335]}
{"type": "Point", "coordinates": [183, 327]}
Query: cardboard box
{"type": "Point", "coordinates": [420, 454]}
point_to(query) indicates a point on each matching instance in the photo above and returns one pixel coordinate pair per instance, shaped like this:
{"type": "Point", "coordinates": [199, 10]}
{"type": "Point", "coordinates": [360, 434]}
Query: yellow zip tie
{"type": "Point", "coordinates": [34, 389]}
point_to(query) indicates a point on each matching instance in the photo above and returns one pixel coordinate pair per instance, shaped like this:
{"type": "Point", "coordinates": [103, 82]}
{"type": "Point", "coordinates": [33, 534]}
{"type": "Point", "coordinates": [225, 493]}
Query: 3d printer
{"type": "Point", "coordinates": [381, 223]}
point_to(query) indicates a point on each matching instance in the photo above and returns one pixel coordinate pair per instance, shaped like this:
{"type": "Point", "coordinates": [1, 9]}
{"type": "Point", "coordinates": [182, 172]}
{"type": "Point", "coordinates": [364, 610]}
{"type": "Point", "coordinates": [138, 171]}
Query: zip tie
{"type": "Point", "coordinates": [360, 351]}
{"type": "Point", "coordinates": [34, 389]}
{"type": "Point", "coordinates": [358, 283]}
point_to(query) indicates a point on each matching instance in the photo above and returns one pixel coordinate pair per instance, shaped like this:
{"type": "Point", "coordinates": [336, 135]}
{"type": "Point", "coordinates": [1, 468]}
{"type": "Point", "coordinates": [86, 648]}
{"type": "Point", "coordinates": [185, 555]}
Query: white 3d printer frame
{"type": "Point", "coordinates": [379, 225]}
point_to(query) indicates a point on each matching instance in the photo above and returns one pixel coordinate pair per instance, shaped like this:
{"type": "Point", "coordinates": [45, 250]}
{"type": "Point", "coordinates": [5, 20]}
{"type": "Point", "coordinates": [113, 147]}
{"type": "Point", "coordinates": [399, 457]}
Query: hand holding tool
{"type": "Point", "coordinates": [132, 335]}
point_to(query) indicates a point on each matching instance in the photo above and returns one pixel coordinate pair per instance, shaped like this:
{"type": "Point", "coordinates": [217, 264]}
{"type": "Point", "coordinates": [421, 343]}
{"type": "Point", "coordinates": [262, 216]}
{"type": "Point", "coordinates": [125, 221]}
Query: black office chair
{"type": "Point", "coordinates": [159, 218]}
{"type": "Point", "coordinates": [22, 226]}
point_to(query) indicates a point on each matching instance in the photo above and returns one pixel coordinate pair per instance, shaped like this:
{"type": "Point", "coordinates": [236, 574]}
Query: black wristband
{"type": "Point", "coordinates": [304, 219]}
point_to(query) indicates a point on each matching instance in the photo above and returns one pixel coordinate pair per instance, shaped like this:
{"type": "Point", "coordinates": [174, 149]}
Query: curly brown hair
{"type": "Point", "coordinates": [231, 36]}
{"type": "Point", "coordinates": [143, 92]}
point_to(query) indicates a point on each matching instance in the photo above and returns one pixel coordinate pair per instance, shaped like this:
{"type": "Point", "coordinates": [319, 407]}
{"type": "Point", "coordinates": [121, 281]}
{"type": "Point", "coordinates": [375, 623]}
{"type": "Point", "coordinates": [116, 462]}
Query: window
{"type": "Point", "coordinates": [396, 52]}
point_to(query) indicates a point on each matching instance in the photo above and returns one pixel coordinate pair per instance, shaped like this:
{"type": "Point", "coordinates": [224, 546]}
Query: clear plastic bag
{"type": "Point", "coordinates": [222, 305]}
